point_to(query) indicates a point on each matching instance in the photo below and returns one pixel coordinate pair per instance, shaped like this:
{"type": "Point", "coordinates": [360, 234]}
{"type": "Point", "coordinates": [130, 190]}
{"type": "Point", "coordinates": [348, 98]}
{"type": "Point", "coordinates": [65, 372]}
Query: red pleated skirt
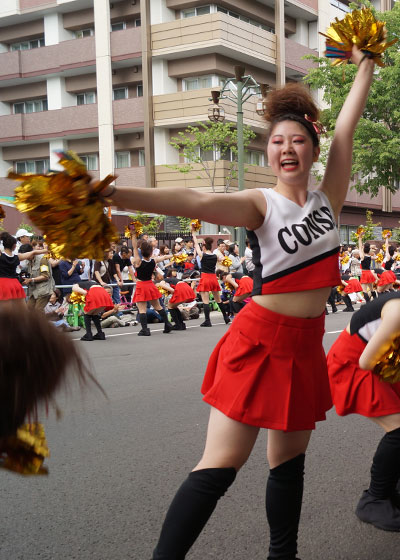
{"type": "Point", "coordinates": [269, 370]}
{"type": "Point", "coordinates": [145, 291]}
{"type": "Point", "coordinates": [98, 297]}
{"type": "Point", "coordinates": [367, 277]}
{"type": "Point", "coordinates": [10, 288]}
{"type": "Point", "coordinates": [387, 277]}
{"type": "Point", "coordinates": [208, 283]}
{"type": "Point", "coordinates": [183, 293]}
{"type": "Point", "coordinates": [353, 286]}
{"type": "Point", "coordinates": [355, 390]}
{"type": "Point", "coordinates": [245, 286]}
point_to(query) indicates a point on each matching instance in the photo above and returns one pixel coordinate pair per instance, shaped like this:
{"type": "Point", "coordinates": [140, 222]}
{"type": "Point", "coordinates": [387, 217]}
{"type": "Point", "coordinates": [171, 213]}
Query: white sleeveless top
{"type": "Point", "coordinates": [296, 248]}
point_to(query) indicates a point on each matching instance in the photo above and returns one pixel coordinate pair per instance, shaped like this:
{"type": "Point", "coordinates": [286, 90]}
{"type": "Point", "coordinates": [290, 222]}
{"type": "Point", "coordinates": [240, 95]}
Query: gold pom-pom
{"type": "Point", "coordinates": [195, 224]}
{"type": "Point", "coordinates": [388, 367]}
{"type": "Point", "coordinates": [360, 231]}
{"type": "Point", "coordinates": [340, 289]}
{"type": "Point", "coordinates": [386, 233]}
{"type": "Point", "coordinates": [163, 291]}
{"type": "Point", "coordinates": [77, 298]}
{"type": "Point", "coordinates": [228, 287]}
{"type": "Point", "coordinates": [345, 259]}
{"type": "Point", "coordinates": [379, 258]}
{"type": "Point", "coordinates": [358, 28]}
{"type": "Point", "coordinates": [68, 208]}
{"type": "Point", "coordinates": [25, 451]}
{"type": "Point", "coordinates": [179, 258]}
{"type": "Point", "coordinates": [226, 262]}
{"type": "Point", "coordinates": [135, 226]}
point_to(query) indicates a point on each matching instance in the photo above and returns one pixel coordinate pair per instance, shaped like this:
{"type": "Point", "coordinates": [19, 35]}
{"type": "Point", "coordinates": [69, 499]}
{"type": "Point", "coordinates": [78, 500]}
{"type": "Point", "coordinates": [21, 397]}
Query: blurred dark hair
{"type": "Point", "coordinates": [231, 248]}
{"type": "Point", "coordinates": [147, 249]}
{"type": "Point", "coordinates": [8, 240]}
{"type": "Point", "coordinates": [208, 243]}
{"type": "Point", "coordinates": [391, 250]}
{"type": "Point", "coordinates": [124, 249]}
{"type": "Point", "coordinates": [367, 247]}
{"type": "Point", "coordinates": [25, 248]}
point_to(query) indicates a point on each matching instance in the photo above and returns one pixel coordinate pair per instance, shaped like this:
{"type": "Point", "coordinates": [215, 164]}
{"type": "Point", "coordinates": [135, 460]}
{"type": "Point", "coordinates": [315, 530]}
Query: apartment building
{"type": "Point", "coordinates": [116, 80]}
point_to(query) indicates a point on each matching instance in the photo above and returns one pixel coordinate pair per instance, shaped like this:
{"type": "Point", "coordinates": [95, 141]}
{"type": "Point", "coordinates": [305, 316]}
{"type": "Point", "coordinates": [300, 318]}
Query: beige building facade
{"type": "Point", "coordinates": [115, 81]}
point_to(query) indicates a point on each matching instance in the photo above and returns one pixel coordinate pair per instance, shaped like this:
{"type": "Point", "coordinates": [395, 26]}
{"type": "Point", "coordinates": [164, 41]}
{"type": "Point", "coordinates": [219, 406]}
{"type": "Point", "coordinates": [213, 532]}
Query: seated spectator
{"type": "Point", "coordinates": [70, 273]}
{"type": "Point", "coordinates": [55, 311]}
{"type": "Point", "coordinates": [110, 318]}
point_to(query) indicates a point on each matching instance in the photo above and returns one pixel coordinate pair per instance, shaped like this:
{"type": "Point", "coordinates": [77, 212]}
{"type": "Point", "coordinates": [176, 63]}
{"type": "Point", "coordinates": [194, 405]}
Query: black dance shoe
{"type": "Point", "coordinates": [206, 324]}
{"type": "Point", "coordinates": [99, 336]}
{"type": "Point", "coordinates": [87, 336]}
{"type": "Point", "coordinates": [381, 513]}
{"type": "Point", "coordinates": [144, 332]}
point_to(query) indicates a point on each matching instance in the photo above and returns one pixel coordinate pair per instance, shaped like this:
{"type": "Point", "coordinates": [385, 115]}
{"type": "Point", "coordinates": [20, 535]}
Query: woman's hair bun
{"type": "Point", "coordinates": [293, 98]}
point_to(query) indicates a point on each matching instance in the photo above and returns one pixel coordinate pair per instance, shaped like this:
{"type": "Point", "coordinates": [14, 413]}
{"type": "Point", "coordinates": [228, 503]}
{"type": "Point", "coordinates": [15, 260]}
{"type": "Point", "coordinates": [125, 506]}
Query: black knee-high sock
{"type": "Point", "coordinates": [347, 301]}
{"type": "Point", "coordinates": [97, 323]}
{"type": "Point", "coordinates": [206, 308]}
{"type": "Point", "coordinates": [366, 296]}
{"type": "Point", "coordinates": [143, 320]}
{"type": "Point", "coordinates": [174, 316]}
{"type": "Point", "coordinates": [385, 469]}
{"type": "Point", "coordinates": [224, 310]}
{"type": "Point", "coordinates": [180, 318]}
{"type": "Point", "coordinates": [88, 323]}
{"type": "Point", "coordinates": [164, 316]}
{"type": "Point", "coordinates": [190, 510]}
{"type": "Point", "coordinates": [283, 503]}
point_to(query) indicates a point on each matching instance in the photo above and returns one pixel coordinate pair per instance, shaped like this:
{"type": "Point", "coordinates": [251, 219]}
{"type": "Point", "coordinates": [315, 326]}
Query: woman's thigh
{"type": "Point", "coordinates": [205, 297]}
{"type": "Point", "coordinates": [217, 296]}
{"type": "Point", "coordinates": [283, 446]}
{"type": "Point", "coordinates": [142, 306]}
{"type": "Point", "coordinates": [156, 304]}
{"type": "Point", "coordinates": [389, 422]}
{"type": "Point", "coordinates": [229, 443]}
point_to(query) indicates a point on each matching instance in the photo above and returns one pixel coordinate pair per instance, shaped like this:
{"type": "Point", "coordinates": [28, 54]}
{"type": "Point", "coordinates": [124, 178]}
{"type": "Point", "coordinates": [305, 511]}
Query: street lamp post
{"type": "Point", "coordinates": [238, 89]}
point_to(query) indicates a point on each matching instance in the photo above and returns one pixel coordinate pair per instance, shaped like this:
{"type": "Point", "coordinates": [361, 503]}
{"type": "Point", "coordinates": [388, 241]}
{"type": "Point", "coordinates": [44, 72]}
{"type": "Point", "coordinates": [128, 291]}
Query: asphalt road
{"type": "Point", "coordinates": [115, 465]}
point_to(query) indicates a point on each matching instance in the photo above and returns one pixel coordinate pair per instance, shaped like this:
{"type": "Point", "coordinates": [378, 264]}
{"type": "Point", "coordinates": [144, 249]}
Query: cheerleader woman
{"type": "Point", "coordinates": [368, 278]}
{"type": "Point", "coordinates": [208, 279]}
{"type": "Point", "coordinates": [269, 369]}
{"type": "Point", "coordinates": [146, 291]}
{"type": "Point", "coordinates": [388, 277]}
{"type": "Point", "coordinates": [356, 390]}
{"type": "Point", "coordinates": [181, 293]}
{"type": "Point", "coordinates": [97, 300]}
{"type": "Point", "coordinates": [242, 285]}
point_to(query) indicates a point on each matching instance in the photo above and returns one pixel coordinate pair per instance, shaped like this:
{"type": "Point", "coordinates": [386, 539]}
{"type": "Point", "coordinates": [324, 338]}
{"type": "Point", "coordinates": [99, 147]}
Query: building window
{"type": "Point", "coordinates": [138, 22]}
{"type": "Point", "coordinates": [86, 98]}
{"type": "Point", "coordinates": [340, 5]}
{"type": "Point", "coordinates": [32, 166]}
{"type": "Point", "coordinates": [26, 45]}
{"type": "Point", "coordinates": [142, 160]}
{"type": "Point", "coordinates": [122, 159]}
{"type": "Point", "coordinates": [199, 82]}
{"type": "Point", "coordinates": [253, 157]}
{"type": "Point", "coordinates": [119, 26]}
{"type": "Point", "coordinates": [35, 106]}
{"type": "Point", "coordinates": [120, 93]}
{"type": "Point", "coordinates": [200, 11]}
{"type": "Point", "coordinates": [80, 33]}
{"type": "Point", "coordinates": [236, 15]}
{"type": "Point", "coordinates": [91, 161]}
{"type": "Point", "coordinates": [139, 90]}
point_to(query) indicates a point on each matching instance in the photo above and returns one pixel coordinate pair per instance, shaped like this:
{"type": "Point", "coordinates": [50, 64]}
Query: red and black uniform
{"type": "Point", "coordinates": [10, 287]}
{"type": "Point", "coordinates": [245, 284]}
{"type": "Point", "coordinates": [96, 296]}
{"type": "Point", "coordinates": [208, 279]}
{"type": "Point", "coordinates": [387, 276]}
{"type": "Point", "coordinates": [366, 275]}
{"type": "Point", "coordinates": [145, 288]}
{"type": "Point", "coordinates": [183, 293]}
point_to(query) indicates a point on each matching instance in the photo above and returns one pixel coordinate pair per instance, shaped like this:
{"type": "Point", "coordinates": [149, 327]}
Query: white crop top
{"type": "Point", "coordinates": [296, 248]}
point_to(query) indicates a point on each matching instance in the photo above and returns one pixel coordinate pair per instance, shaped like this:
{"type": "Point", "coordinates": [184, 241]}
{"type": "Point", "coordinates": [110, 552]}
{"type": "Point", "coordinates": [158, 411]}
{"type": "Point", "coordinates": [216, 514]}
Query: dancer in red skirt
{"type": "Point", "coordinates": [356, 390]}
{"type": "Point", "coordinates": [351, 286]}
{"type": "Point", "coordinates": [269, 369]}
{"type": "Point", "coordinates": [10, 286]}
{"type": "Point", "coordinates": [243, 286]}
{"type": "Point", "coordinates": [145, 290]}
{"type": "Point", "coordinates": [208, 279]}
{"type": "Point", "coordinates": [181, 293]}
{"type": "Point", "coordinates": [388, 278]}
{"type": "Point", "coordinates": [368, 278]}
{"type": "Point", "coordinates": [97, 301]}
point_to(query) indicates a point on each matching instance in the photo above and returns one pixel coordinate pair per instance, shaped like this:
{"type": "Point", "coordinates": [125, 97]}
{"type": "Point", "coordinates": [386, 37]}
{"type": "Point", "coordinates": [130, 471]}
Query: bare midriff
{"type": "Point", "coordinates": [307, 304]}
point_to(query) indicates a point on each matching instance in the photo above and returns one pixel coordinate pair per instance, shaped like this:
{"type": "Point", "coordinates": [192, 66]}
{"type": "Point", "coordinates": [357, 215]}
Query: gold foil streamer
{"type": "Point", "coordinates": [179, 258]}
{"type": "Point", "coordinates": [136, 226]}
{"type": "Point", "coordinates": [77, 298]}
{"type": "Point", "coordinates": [386, 233]}
{"type": "Point", "coordinates": [379, 258]}
{"type": "Point", "coordinates": [195, 224]}
{"type": "Point", "coordinates": [360, 231]}
{"type": "Point", "coordinates": [388, 367]}
{"type": "Point", "coordinates": [68, 208]}
{"type": "Point", "coordinates": [25, 451]}
{"type": "Point", "coordinates": [358, 28]}
{"type": "Point", "coordinates": [163, 291]}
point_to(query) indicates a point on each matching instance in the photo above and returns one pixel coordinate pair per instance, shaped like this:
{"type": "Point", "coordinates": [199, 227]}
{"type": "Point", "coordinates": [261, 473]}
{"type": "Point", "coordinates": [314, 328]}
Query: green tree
{"type": "Point", "coordinates": [184, 223]}
{"type": "Point", "coordinates": [151, 224]}
{"type": "Point", "coordinates": [376, 161]}
{"type": "Point", "coordinates": [369, 228]}
{"type": "Point", "coordinates": [26, 226]}
{"type": "Point", "coordinates": [197, 145]}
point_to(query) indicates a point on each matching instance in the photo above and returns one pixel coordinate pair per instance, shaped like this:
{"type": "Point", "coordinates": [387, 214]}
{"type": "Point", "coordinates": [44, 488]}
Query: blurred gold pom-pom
{"type": "Point", "coordinates": [388, 367]}
{"type": "Point", "coordinates": [360, 231]}
{"type": "Point", "coordinates": [358, 28]}
{"type": "Point", "coordinates": [195, 224]}
{"type": "Point", "coordinates": [386, 233]}
{"type": "Point", "coordinates": [179, 258]}
{"type": "Point", "coordinates": [135, 226]}
{"type": "Point", "coordinates": [226, 262]}
{"type": "Point", "coordinates": [25, 451]}
{"type": "Point", "coordinates": [67, 207]}
{"type": "Point", "coordinates": [77, 298]}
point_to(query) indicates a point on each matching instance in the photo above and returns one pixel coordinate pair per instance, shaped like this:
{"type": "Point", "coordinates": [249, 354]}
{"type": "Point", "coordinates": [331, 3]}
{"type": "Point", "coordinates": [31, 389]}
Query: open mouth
{"type": "Point", "coordinates": [289, 164]}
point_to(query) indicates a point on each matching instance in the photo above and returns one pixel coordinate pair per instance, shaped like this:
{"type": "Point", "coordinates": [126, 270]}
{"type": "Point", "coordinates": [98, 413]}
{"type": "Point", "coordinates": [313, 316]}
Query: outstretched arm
{"type": "Point", "coordinates": [337, 175]}
{"type": "Point", "coordinates": [196, 244]}
{"type": "Point", "coordinates": [388, 330]}
{"type": "Point", "coordinates": [137, 261]}
{"type": "Point", "coordinates": [245, 208]}
{"type": "Point", "coordinates": [361, 248]}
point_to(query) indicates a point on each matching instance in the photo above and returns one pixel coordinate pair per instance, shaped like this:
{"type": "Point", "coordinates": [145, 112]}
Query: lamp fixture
{"type": "Point", "coordinates": [215, 112]}
{"type": "Point", "coordinates": [261, 107]}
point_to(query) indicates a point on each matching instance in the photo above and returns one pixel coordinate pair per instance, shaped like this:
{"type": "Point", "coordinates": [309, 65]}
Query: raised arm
{"type": "Point", "coordinates": [137, 261]}
{"type": "Point", "coordinates": [361, 248]}
{"type": "Point", "coordinates": [196, 244]}
{"type": "Point", "coordinates": [246, 208]}
{"type": "Point", "coordinates": [337, 175]}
